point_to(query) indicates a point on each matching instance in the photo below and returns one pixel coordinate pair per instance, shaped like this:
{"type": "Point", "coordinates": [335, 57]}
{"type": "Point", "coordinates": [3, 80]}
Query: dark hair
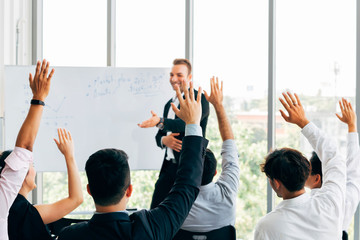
{"type": "Point", "coordinates": [108, 175]}
{"type": "Point", "coordinates": [183, 61]}
{"type": "Point", "coordinates": [3, 156]}
{"type": "Point", "coordinates": [209, 167]}
{"type": "Point", "coordinates": [315, 165]}
{"type": "Point", "coordinates": [288, 166]}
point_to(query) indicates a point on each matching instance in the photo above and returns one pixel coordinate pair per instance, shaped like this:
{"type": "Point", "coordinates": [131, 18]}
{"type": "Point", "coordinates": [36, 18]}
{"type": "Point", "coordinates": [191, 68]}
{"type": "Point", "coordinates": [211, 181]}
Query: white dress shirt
{"type": "Point", "coordinates": [215, 206]}
{"type": "Point", "coordinates": [353, 179]}
{"type": "Point", "coordinates": [318, 215]}
{"type": "Point", "coordinates": [12, 177]}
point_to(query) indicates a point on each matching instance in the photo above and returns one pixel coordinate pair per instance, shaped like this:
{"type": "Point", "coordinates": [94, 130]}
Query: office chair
{"type": "Point", "coordinates": [224, 233]}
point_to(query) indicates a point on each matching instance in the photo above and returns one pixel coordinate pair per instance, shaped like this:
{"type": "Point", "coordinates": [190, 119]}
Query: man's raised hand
{"type": "Point", "coordinates": [294, 109]}
{"type": "Point", "coordinates": [348, 115]}
{"type": "Point", "coordinates": [40, 83]}
{"type": "Point", "coordinates": [216, 95]}
{"type": "Point", "coordinates": [190, 109]}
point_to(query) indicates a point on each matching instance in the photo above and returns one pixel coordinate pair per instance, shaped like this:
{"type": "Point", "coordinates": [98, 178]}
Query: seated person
{"type": "Point", "coordinates": [302, 215]}
{"type": "Point", "coordinates": [108, 174]}
{"type": "Point", "coordinates": [15, 165]}
{"type": "Point", "coordinates": [215, 207]}
{"type": "Point", "coordinates": [27, 221]}
{"type": "Point", "coordinates": [314, 181]}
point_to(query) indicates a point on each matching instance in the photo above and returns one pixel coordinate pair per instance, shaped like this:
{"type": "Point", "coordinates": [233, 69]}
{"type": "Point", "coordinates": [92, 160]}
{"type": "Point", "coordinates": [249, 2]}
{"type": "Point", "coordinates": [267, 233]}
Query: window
{"type": "Point", "coordinates": [149, 33]}
{"type": "Point", "coordinates": [75, 32]}
{"type": "Point", "coordinates": [227, 46]}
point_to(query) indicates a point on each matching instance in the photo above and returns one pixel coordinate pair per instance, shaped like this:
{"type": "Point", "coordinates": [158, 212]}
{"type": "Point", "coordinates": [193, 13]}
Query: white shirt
{"type": "Point", "coordinates": [215, 206]}
{"type": "Point", "coordinates": [353, 179]}
{"type": "Point", "coordinates": [318, 215]}
{"type": "Point", "coordinates": [12, 177]}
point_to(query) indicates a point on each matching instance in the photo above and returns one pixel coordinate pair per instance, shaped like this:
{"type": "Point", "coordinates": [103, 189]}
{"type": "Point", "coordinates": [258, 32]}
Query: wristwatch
{"type": "Point", "coordinates": [160, 124]}
{"type": "Point", "coordinates": [37, 102]}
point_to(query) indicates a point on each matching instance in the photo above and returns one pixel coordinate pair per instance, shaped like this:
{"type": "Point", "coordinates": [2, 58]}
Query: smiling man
{"type": "Point", "coordinates": [172, 130]}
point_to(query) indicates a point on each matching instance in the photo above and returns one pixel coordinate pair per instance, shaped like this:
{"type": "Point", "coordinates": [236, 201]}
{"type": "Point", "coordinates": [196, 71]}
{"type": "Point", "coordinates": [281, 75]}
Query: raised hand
{"type": "Point", "coordinates": [40, 83]}
{"type": "Point", "coordinates": [295, 110]}
{"type": "Point", "coordinates": [216, 95]}
{"type": "Point", "coordinates": [151, 122]}
{"type": "Point", "coordinates": [172, 142]}
{"type": "Point", "coordinates": [190, 109]}
{"type": "Point", "coordinates": [65, 143]}
{"type": "Point", "coordinates": [348, 115]}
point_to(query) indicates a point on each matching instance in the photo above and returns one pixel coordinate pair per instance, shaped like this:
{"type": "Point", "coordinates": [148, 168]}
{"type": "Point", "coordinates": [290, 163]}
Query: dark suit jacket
{"type": "Point", "coordinates": [178, 126]}
{"type": "Point", "coordinates": [159, 223]}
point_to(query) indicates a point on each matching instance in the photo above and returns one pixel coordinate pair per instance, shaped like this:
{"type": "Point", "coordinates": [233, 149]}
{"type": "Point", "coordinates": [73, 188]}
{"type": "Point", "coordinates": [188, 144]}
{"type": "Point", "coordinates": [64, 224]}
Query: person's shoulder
{"type": "Point", "coordinates": [75, 230]}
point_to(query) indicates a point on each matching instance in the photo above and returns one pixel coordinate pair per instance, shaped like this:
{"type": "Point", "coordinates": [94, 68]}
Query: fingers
{"type": "Point", "coordinates": [297, 99]}
{"type": "Point", "coordinates": [339, 117]}
{"type": "Point", "coordinates": [153, 113]}
{"type": "Point", "coordinates": [179, 95]}
{"type": "Point", "coordinates": [175, 134]}
{"type": "Point", "coordinates": [30, 78]}
{"type": "Point", "coordinates": [37, 70]}
{"type": "Point", "coordinates": [206, 96]}
{"type": "Point", "coordinates": [42, 69]}
{"type": "Point", "coordinates": [288, 100]}
{"type": "Point", "coordinates": [286, 118]}
{"type": "Point", "coordinates": [57, 142]}
{"type": "Point", "coordinates": [69, 136]}
{"type": "Point", "coordinates": [293, 100]}
{"type": "Point", "coordinates": [46, 69]}
{"type": "Point", "coordinates": [222, 86]}
{"type": "Point", "coordinates": [284, 104]}
{"type": "Point", "coordinates": [341, 107]}
{"type": "Point", "coordinates": [185, 89]}
{"type": "Point", "coordinates": [175, 109]}
{"type": "Point", "coordinates": [192, 97]}
{"type": "Point", "coordinates": [51, 74]}
{"type": "Point", "coordinates": [199, 95]}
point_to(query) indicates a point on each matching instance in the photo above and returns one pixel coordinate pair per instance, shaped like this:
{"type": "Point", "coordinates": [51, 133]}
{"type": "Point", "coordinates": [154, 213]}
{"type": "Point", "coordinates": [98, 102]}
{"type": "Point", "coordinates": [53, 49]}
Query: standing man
{"type": "Point", "coordinates": [172, 130]}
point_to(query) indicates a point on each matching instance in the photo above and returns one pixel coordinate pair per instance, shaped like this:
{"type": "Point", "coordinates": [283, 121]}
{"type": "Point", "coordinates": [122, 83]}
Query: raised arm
{"type": "Point", "coordinates": [216, 98]}
{"type": "Point", "coordinates": [52, 212]}
{"type": "Point", "coordinates": [333, 165]}
{"type": "Point", "coordinates": [352, 162]}
{"type": "Point", "coordinates": [18, 162]}
{"type": "Point", "coordinates": [166, 219]}
{"type": "Point", "coordinates": [40, 86]}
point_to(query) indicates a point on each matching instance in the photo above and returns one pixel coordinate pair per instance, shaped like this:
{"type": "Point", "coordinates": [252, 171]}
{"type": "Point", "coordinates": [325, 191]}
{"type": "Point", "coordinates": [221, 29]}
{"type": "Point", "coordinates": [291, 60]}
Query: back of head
{"type": "Point", "coordinates": [288, 166]}
{"type": "Point", "coordinates": [3, 156]}
{"type": "Point", "coordinates": [183, 61]}
{"type": "Point", "coordinates": [108, 174]}
{"type": "Point", "coordinates": [209, 167]}
{"type": "Point", "coordinates": [315, 165]}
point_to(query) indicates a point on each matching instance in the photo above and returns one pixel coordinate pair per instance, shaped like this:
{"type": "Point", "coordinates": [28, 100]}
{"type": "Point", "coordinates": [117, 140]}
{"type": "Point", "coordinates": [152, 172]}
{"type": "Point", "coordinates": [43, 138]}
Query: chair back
{"type": "Point", "coordinates": [224, 233]}
{"type": "Point", "coordinates": [56, 227]}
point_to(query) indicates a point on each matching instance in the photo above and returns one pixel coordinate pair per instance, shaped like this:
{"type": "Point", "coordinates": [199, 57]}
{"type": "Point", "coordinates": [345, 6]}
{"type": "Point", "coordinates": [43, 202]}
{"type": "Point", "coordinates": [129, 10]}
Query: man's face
{"type": "Point", "coordinates": [179, 73]}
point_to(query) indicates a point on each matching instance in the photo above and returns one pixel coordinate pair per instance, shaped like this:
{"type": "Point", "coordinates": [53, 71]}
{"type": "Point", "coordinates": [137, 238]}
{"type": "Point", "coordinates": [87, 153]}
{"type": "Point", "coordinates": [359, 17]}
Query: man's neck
{"type": "Point", "coordinates": [121, 206]}
{"type": "Point", "coordinates": [290, 195]}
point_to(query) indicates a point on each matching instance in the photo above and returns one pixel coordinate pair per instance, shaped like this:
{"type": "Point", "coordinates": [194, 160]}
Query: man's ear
{"type": "Point", "coordinates": [215, 172]}
{"type": "Point", "coordinates": [129, 191]}
{"type": "Point", "coordinates": [318, 179]}
{"type": "Point", "coordinates": [189, 77]}
{"type": "Point", "coordinates": [88, 189]}
{"type": "Point", "coordinates": [276, 183]}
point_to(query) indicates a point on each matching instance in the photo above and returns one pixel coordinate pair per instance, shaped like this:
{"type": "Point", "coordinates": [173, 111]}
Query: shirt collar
{"type": "Point", "coordinates": [294, 201]}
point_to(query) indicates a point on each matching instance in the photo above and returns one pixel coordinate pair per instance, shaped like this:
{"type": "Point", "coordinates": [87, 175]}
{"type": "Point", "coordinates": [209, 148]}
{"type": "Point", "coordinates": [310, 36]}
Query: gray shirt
{"type": "Point", "coordinates": [215, 207]}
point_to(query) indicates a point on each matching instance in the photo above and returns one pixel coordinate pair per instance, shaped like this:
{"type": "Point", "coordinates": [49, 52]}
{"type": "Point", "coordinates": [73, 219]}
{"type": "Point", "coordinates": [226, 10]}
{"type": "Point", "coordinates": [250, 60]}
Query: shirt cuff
{"type": "Point", "coordinates": [308, 129]}
{"type": "Point", "coordinates": [353, 137]}
{"type": "Point", "coordinates": [19, 158]}
{"type": "Point", "coordinates": [161, 143]}
{"type": "Point", "coordinates": [193, 130]}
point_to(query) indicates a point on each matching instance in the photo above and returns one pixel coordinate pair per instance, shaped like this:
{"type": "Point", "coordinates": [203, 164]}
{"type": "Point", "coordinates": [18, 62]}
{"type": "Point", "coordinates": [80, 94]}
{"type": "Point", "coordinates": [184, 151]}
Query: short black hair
{"type": "Point", "coordinates": [108, 175]}
{"type": "Point", "coordinates": [3, 156]}
{"type": "Point", "coordinates": [209, 167]}
{"type": "Point", "coordinates": [288, 166]}
{"type": "Point", "coordinates": [315, 165]}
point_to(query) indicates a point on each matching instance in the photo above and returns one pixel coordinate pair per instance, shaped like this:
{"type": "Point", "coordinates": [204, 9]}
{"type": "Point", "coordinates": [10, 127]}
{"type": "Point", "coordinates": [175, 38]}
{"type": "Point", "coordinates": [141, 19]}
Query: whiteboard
{"type": "Point", "coordinates": [99, 106]}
